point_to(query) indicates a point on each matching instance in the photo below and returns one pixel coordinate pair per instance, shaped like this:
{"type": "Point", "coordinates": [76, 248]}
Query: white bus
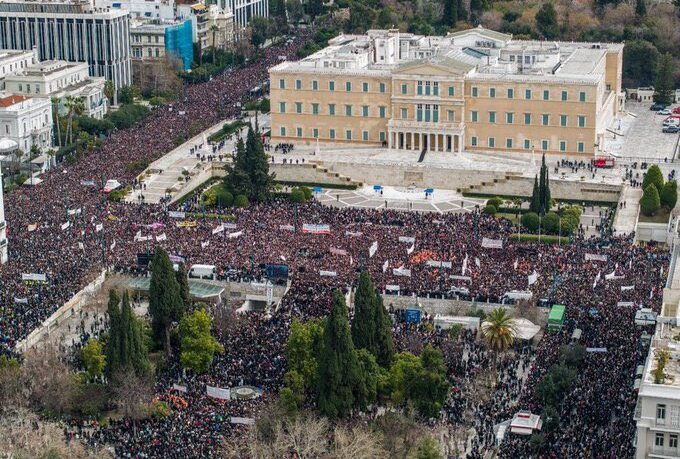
{"type": "Point", "coordinates": [203, 272]}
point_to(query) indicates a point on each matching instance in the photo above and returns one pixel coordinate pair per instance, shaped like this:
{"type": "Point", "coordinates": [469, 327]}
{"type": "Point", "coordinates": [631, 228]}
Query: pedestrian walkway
{"type": "Point", "coordinates": [626, 217]}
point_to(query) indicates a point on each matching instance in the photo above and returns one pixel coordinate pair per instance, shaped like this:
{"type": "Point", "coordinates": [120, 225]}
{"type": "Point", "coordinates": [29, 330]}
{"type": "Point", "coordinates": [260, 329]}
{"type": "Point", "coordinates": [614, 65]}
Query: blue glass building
{"type": "Point", "coordinates": [179, 42]}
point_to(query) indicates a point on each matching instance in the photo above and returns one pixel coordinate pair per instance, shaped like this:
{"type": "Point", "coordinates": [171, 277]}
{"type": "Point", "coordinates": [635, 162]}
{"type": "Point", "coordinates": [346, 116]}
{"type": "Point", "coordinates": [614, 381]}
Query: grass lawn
{"type": "Point", "coordinates": [661, 216]}
{"type": "Point", "coordinates": [512, 217]}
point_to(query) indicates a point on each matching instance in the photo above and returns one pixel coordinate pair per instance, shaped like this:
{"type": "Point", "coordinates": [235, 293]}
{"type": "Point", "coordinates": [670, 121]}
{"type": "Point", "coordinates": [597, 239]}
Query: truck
{"type": "Point", "coordinates": [556, 317]}
{"type": "Point", "coordinates": [203, 272]}
{"type": "Point", "coordinates": [603, 162]}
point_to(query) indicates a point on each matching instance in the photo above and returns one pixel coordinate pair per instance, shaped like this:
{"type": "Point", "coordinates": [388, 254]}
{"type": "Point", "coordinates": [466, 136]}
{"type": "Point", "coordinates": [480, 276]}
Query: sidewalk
{"type": "Point", "coordinates": [626, 217]}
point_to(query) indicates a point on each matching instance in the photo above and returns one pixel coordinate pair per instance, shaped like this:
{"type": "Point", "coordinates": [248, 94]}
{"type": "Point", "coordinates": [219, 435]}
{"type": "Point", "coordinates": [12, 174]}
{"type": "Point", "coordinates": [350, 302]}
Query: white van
{"type": "Point", "coordinates": [203, 272]}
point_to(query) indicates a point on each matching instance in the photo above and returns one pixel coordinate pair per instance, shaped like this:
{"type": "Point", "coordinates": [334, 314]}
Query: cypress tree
{"type": "Point", "coordinates": [663, 88]}
{"type": "Point", "coordinates": [364, 325]}
{"type": "Point", "coordinates": [165, 301]}
{"type": "Point", "coordinates": [535, 204]}
{"type": "Point", "coordinates": [112, 344]}
{"type": "Point", "coordinates": [383, 337]}
{"type": "Point", "coordinates": [450, 15]}
{"type": "Point", "coordinates": [544, 188]}
{"type": "Point", "coordinates": [136, 352]}
{"type": "Point", "coordinates": [462, 12]}
{"type": "Point", "coordinates": [237, 180]}
{"type": "Point", "coordinates": [183, 281]}
{"type": "Point", "coordinates": [338, 369]}
{"type": "Point", "coordinates": [541, 189]}
{"type": "Point", "coordinates": [261, 180]}
{"type": "Point", "coordinates": [640, 8]}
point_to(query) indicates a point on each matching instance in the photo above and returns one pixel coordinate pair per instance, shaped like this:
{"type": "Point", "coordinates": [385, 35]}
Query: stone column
{"type": "Point", "coordinates": [436, 142]}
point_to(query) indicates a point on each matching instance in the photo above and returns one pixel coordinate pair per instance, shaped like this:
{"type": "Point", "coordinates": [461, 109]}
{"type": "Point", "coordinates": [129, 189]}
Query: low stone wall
{"type": "Point", "coordinates": [69, 308]}
{"type": "Point", "coordinates": [435, 306]}
{"type": "Point", "coordinates": [559, 189]}
{"type": "Point", "coordinates": [302, 173]}
{"type": "Point", "coordinates": [658, 232]}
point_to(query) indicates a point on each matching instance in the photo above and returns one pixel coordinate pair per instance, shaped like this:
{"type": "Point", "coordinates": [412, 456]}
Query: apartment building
{"type": "Point", "coordinates": [155, 39]}
{"type": "Point", "coordinates": [245, 10]}
{"type": "Point", "coordinates": [60, 79]}
{"type": "Point", "coordinates": [13, 61]}
{"type": "Point", "coordinates": [142, 9]}
{"type": "Point", "coordinates": [26, 120]}
{"type": "Point", "coordinates": [72, 31]}
{"type": "Point", "coordinates": [475, 90]}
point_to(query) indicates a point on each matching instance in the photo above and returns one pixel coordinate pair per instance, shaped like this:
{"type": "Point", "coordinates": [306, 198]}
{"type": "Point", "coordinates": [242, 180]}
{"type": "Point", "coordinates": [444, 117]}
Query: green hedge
{"type": "Point", "coordinates": [545, 239]}
{"type": "Point", "coordinates": [472, 194]}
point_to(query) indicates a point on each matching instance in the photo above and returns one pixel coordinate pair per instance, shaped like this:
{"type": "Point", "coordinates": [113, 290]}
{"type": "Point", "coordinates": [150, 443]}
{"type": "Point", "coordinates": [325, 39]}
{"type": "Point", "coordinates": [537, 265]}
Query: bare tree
{"type": "Point", "coordinates": [225, 320]}
{"type": "Point", "coordinates": [132, 394]}
{"type": "Point", "coordinates": [11, 385]}
{"type": "Point", "coordinates": [356, 442]}
{"type": "Point", "coordinates": [47, 379]}
{"type": "Point", "coordinates": [401, 434]}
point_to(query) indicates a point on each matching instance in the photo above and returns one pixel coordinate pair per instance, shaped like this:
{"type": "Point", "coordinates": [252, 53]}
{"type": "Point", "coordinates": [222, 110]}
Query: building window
{"type": "Point", "coordinates": [348, 86]}
{"type": "Point", "coordinates": [435, 88]}
{"type": "Point", "coordinates": [582, 96]}
{"type": "Point", "coordinates": [315, 85]}
{"type": "Point", "coordinates": [673, 441]}
{"type": "Point", "coordinates": [545, 144]}
{"type": "Point", "coordinates": [331, 133]}
{"type": "Point", "coordinates": [382, 87]}
{"type": "Point", "coordinates": [658, 440]}
{"type": "Point", "coordinates": [473, 141]}
{"type": "Point", "coordinates": [473, 116]}
{"type": "Point", "coordinates": [492, 117]}
{"type": "Point", "coordinates": [404, 88]}
{"type": "Point", "coordinates": [364, 86]}
{"type": "Point", "coordinates": [382, 136]}
{"type": "Point", "coordinates": [580, 147]}
{"type": "Point", "coordinates": [381, 110]}
{"type": "Point", "coordinates": [299, 132]}
{"type": "Point", "coordinates": [660, 414]}
{"type": "Point", "coordinates": [428, 112]}
{"type": "Point", "coordinates": [509, 117]}
{"type": "Point", "coordinates": [348, 134]}
{"type": "Point", "coordinates": [420, 88]}
{"type": "Point", "coordinates": [492, 142]}
{"type": "Point", "coordinates": [364, 136]}
{"type": "Point", "coordinates": [563, 120]}
{"type": "Point", "coordinates": [527, 118]}
{"type": "Point", "coordinates": [435, 113]}
{"type": "Point", "coordinates": [450, 115]}
{"type": "Point", "coordinates": [315, 109]}
{"type": "Point", "coordinates": [563, 145]}
{"type": "Point", "coordinates": [492, 92]}
{"type": "Point", "coordinates": [331, 85]}
{"type": "Point", "coordinates": [511, 93]}
{"type": "Point", "coordinates": [282, 84]}
{"type": "Point", "coordinates": [527, 94]}
{"type": "Point", "coordinates": [282, 107]}
{"type": "Point", "coordinates": [364, 111]}
{"type": "Point", "coordinates": [348, 110]}
{"type": "Point", "coordinates": [527, 144]}
{"type": "Point", "coordinates": [508, 143]}
{"type": "Point", "coordinates": [545, 119]}
{"type": "Point", "coordinates": [565, 96]}
{"type": "Point", "coordinates": [474, 91]}
{"type": "Point", "coordinates": [404, 113]}
{"type": "Point", "coordinates": [419, 112]}
{"type": "Point", "coordinates": [428, 85]}
{"type": "Point", "coordinates": [331, 109]}
{"type": "Point", "coordinates": [581, 121]}
{"type": "Point", "coordinates": [451, 91]}
{"type": "Point", "coordinates": [298, 107]}
{"type": "Point", "coordinates": [546, 95]}
{"type": "Point", "coordinates": [315, 133]}
{"type": "Point", "coordinates": [282, 131]}
{"type": "Point", "coordinates": [298, 84]}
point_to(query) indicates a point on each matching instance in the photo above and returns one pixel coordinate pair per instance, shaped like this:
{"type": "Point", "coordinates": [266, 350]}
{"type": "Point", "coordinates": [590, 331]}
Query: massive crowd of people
{"type": "Point", "coordinates": [66, 230]}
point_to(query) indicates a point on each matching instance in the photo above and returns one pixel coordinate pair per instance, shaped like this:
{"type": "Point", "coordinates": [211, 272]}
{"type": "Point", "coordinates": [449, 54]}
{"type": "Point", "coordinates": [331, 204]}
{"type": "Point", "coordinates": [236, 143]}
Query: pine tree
{"type": "Point", "coordinates": [183, 281]}
{"type": "Point", "coordinates": [535, 204]}
{"type": "Point", "coordinates": [165, 301]}
{"type": "Point", "coordinates": [112, 344]}
{"type": "Point", "coordinates": [136, 353]}
{"type": "Point", "coordinates": [663, 89]}
{"type": "Point", "coordinates": [237, 180]}
{"type": "Point", "coordinates": [640, 8]}
{"type": "Point", "coordinates": [450, 14]}
{"type": "Point", "coordinates": [261, 180]}
{"type": "Point", "coordinates": [546, 21]}
{"type": "Point", "coordinates": [363, 325]}
{"type": "Point", "coordinates": [338, 369]}
{"type": "Point", "coordinates": [462, 12]}
{"type": "Point", "coordinates": [383, 335]}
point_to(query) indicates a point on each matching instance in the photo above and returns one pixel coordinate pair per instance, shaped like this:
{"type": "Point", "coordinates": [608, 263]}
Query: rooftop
{"type": "Point", "coordinates": [12, 99]}
{"type": "Point", "coordinates": [667, 337]}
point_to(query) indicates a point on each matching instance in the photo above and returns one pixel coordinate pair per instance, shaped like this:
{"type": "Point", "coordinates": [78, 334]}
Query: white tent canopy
{"type": "Point", "coordinates": [8, 145]}
{"type": "Point", "coordinates": [525, 328]}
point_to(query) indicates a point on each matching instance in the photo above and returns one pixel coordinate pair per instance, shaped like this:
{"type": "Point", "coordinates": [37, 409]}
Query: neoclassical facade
{"type": "Point", "coordinates": [475, 90]}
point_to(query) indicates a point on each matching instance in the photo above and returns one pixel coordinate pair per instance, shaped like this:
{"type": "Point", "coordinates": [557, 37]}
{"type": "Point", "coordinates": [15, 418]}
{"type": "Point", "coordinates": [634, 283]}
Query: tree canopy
{"type": "Point", "coordinates": [197, 345]}
{"type": "Point", "coordinates": [165, 298]}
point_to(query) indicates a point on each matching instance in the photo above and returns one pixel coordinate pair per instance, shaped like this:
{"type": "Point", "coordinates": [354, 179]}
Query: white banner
{"type": "Point", "coordinates": [327, 273]}
{"type": "Point", "coordinates": [410, 250]}
{"type": "Point", "coordinates": [392, 288]}
{"type": "Point", "coordinates": [477, 262]}
{"type": "Point", "coordinates": [21, 300]}
{"type": "Point", "coordinates": [290, 228]}
{"type": "Point", "coordinates": [438, 264]}
{"type": "Point", "coordinates": [216, 392]}
{"type": "Point", "coordinates": [65, 225]}
{"type": "Point", "coordinates": [372, 249]}
{"type": "Point", "coordinates": [74, 211]}
{"type": "Point", "coordinates": [229, 225]}
{"type": "Point", "coordinates": [336, 251]}
{"type": "Point", "coordinates": [627, 287]}
{"type": "Point", "coordinates": [99, 227]}
{"type": "Point", "coordinates": [161, 237]}
{"type": "Point", "coordinates": [612, 276]}
{"type": "Point", "coordinates": [386, 265]}
{"type": "Point", "coordinates": [353, 234]}
{"type": "Point", "coordinates": [596, 349]}
{"type": "Point", "coordinates": [462, 278]}
{"type": "Point", "coordinates": [179, 388]}
{"type": "Point", "coordinates": [113, 246]}
{"type": "Point", "coordinates": [32, 227]}
{"type": "Point", "coordinates": [595, 257]}
{"type": "Point", "coordinates": [241, 420]}
{"type": "Point", "coordinates": [401, 272]}
{"type": "Point", "coordinates": [533, 278]}
{"type": "Point", "coordinates": [81, 246]}
{"type": "Point", "coordinates": [316, 229]}
{"type": "Point", "coordinates": [34, 277]}
{"type": "Point", "coordinates": [218, 229]}
{"type": "Point", "coordinates": [407, 239]}
{"type": "Point", "coordinates": [177, 214]}
{"type": "Point", "coordinates": [465, 261]}
{"type": "Point", "coordinates": [205, 244]}
{"type": "Point", "coordinates": [492, 243]}
{"type": "Point", "coordinates": [235, 235]}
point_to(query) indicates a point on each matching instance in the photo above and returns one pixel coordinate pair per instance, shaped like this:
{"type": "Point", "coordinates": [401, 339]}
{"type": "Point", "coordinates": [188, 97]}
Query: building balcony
{"type": "Point", "coordinates": [3, 243]}
{"type": "Point", "coordinates": [439, 126]}
{"type": "Point", "coordinates": [663, 452]}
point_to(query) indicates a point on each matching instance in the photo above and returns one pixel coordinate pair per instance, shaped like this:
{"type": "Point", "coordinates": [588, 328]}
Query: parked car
{"type": "Point", "coordinates": [676, 110]}
{"type": "Point", "coordinates": [670, 129]}
{"type": "Point", "coordinates": [665, 112]}
{"type": "Point", "coordinates": [656, 107]}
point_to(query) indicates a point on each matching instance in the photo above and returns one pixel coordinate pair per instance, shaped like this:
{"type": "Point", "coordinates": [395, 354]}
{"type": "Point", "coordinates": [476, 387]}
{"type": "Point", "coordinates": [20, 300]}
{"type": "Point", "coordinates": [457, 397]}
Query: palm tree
{"type": "Point", "coordinates": [69, 104]}
{"type": "Point", "coordinates": [109, 91]}
{"type": "Point", "coordinates": [55, 109]}
{"type": "Point", "coordinates": [499, 330]}
{"type": "Point", "coordinates": [214, 29]}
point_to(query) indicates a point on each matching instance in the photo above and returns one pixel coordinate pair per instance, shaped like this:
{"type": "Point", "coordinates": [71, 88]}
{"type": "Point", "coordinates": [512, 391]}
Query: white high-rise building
{"type": "Point", "coordinates": [72, 31]}
{"type": "Point", "coordinates": [245, 10]}
{"type": "Point", "coordinates": [3, 225]}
